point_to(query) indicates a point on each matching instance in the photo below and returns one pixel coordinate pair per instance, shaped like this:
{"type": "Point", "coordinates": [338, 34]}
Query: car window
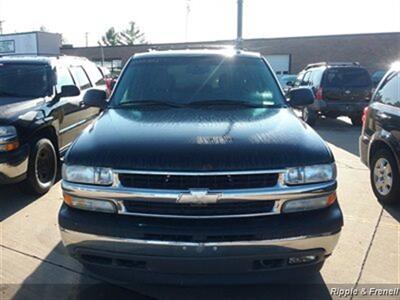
{"type": "Point", "coordinates": [347, 78]}
{"type": "Point", "coordinates": [104, 71]}
{"type": "Point", "coordinates": [317, 77]}
{"type": "Point", "coordinates": [299, 79]}
{"type": "Point", "coordinates": [306, 79]}
{"type": "Point", "coordinates": [63, 78]}
{"type": "Point", "coordinates": [389, 93]}
{"type": "Point", "coordinates": [199, 78]}
{"type": "Point", "coordinates": [96, 77]}
{"type": "Point", "coordinates": [25, 80]}
{"type": "Point", "coordinates": [81, 78]}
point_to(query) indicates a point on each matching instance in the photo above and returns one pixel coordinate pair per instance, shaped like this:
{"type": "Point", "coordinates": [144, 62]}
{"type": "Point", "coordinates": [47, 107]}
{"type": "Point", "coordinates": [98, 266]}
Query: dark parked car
{"type": "Point", "coordinates": [340, 89]}
{"type": "Point", "coordinates": [380, 138]}
{"type": "Point", "coordinates": [377, 77]}
{"type": "Point", "coordinates": [41, 113]}
{"type": "Point", "coordinates": [199, 171]}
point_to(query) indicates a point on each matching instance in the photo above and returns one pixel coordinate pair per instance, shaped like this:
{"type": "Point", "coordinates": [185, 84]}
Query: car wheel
{"type": "Point", "coordinates": [385, 177]}
{"type": "Point", "coordinates": [356, 120]}
{"type": "Point", "coordinates": [309, 116]}
{"type": "Point", "coordinates": [42, 167]}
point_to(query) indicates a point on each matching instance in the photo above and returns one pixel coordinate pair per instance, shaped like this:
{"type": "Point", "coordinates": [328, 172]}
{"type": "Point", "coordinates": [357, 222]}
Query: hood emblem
{"type": "Point", "coordinates": [198, 196]}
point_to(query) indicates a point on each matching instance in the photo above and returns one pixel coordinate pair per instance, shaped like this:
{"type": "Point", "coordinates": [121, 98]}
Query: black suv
{"type": "Point", "coordinates": [380, 138]}
{"type": "Point", "coordinates": [198, 170]}
{"type": "Point", "coordinates": [340, 89]}
{"type": "Point", "coordinates": [41, 113]}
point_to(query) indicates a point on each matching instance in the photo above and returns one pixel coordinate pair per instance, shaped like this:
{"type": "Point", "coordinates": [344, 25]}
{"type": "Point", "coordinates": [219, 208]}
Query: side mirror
{"type": "Point", "coordinates": [289, 83]}
{"type": "Point", "coordinates": [95, 98]}
{"type": "Point", "coordinates": [300, 97]}
{"type": "Point", "coordinates": [69, 91]}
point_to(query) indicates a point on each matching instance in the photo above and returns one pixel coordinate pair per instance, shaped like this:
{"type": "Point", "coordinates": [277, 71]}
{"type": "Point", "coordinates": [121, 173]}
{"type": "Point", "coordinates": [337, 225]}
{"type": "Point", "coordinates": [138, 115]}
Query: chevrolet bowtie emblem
{"type": "Point", "coordinates": [198, 196]}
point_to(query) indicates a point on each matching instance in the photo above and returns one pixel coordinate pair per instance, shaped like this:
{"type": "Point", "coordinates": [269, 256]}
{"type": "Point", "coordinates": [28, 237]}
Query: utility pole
{"type": "Point", "coordinates": [1, 26]}
{"type": "Point", "coordinates": [239, 37]}
{"type": "Point", "coordinates": [87, 39]}
{"type": "Point", "coordinates": [101, 52]}
{"type": "Point", "coordinates": [188, 10]}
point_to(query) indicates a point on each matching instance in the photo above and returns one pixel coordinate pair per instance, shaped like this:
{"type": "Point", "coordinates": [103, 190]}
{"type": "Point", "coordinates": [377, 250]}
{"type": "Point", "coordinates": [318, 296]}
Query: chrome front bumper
{"type": "Point", "coordinates": [73, 240]}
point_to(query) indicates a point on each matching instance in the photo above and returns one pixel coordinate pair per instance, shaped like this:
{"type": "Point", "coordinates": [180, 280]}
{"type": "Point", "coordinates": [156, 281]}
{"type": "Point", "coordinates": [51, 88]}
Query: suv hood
{"type": "Point", "coordinates": [12, 108]}
{"type": "Point", "coordinates": [199, 140]}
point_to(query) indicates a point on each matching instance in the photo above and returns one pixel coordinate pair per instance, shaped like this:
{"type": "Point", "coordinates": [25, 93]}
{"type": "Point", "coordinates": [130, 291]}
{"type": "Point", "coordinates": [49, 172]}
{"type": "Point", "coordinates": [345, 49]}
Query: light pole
{"type": "Point", "coordinates": [239, 37]}
{"type": "Point", "coordinates": [1, 26]}
{"type": "Point", "coordinates": [101, 52]}
{"type": "Point", "coordinates": [188, 9]}
{"type": "Point", "coordinates": [87, 39]}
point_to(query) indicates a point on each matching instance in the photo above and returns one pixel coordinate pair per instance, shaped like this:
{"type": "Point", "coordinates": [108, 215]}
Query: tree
{"type": "Point", "coordinates": [132, 35]}
{"type": "Point", "coordinates": [43, 28]}
{"type": "Point", "coordinates": [111, 38]}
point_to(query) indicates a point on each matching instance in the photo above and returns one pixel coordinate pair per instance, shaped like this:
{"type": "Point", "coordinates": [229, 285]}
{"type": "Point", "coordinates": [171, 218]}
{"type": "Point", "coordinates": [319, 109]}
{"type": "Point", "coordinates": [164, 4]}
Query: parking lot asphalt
{"type": "Point", "coordinates": [34, 264]}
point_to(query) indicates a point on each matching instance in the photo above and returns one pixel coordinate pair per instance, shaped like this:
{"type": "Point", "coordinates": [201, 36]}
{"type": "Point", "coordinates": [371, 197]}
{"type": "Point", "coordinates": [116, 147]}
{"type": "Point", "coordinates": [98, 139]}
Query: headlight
{"type": "Point", "coordinates": [8, 132]}
{"type": "Point", "coordinates": [8, 138]}
{"type": "Point", "coordinates": [311, 174]}
{"type": "Point", "coordinates": [88, 175]}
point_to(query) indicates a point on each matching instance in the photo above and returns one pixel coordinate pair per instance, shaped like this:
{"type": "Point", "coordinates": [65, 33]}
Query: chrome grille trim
{"type": "Point", "coordinates": [205, 173]}
{"type": "Point", "coordinates": [280, 194]}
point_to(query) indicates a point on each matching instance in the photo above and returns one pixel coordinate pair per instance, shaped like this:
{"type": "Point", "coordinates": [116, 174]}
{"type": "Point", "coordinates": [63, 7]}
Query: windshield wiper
{"type": "Point", "coordinates": [146, 103]}
{"type": "Point", "coordinates": [232, 102]}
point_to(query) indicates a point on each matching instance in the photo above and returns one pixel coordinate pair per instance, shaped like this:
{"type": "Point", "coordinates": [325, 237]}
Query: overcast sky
{"type": "Point", "coordinates": [164, 20]}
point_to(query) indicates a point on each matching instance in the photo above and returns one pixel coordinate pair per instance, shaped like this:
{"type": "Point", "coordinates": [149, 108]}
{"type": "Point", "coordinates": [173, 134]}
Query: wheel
{"type": "Point", "coordinates": [356, 120]}
{"type": "Point", "coordinates": [385, 178]}
{"type": "Point", "coordinates": [42, 167]}
{"type": "Point", "coordinates": [309, 116]}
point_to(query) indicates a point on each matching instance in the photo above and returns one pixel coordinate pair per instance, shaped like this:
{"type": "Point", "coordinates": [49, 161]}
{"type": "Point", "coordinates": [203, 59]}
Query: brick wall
{"type": "Point", "coordinates": [374, 51]}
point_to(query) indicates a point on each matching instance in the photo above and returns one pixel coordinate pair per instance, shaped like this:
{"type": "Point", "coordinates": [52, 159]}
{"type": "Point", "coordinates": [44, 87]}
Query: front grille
{"type": "Point", "coordinates": [214, 209]}
{"type": "Point", "coordinates": [185, 182]}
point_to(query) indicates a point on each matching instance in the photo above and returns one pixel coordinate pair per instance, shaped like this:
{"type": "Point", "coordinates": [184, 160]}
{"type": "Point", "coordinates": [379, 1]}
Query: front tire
{"type": "Point", "coordinates": [309, 116]}
{"type": "Point", "coordinates": [42, 167]}
{"type": "Point", "coordinates": [385, 178]}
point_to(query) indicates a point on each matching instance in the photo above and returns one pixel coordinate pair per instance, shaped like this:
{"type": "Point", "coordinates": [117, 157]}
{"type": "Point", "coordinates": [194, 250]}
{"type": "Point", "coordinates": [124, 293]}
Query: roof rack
{"type": "Point", "coordinates": [336, 64]}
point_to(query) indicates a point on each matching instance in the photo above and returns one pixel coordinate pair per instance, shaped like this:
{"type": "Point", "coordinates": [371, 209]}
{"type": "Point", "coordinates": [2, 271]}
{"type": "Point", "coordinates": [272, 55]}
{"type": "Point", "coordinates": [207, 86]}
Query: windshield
{"type": "Point", "coordinates": [24, 80]}
{"type": "Point", "coordinates": [186, 80]}
{"type": "Point", "coordinates": [347, 77]}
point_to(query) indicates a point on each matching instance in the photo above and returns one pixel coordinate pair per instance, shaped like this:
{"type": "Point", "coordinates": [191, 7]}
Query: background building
{"type": "Point", "coordinates": [30, 43]}
{"type": "Point", "coordinates": [375, 51]}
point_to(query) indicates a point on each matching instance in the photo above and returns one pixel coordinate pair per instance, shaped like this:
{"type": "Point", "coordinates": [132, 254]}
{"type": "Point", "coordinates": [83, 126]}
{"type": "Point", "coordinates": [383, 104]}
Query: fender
{"type": "Point", "coordinates": [36, 121]}
{"type": "Point", "coordinates": [389, 140]}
